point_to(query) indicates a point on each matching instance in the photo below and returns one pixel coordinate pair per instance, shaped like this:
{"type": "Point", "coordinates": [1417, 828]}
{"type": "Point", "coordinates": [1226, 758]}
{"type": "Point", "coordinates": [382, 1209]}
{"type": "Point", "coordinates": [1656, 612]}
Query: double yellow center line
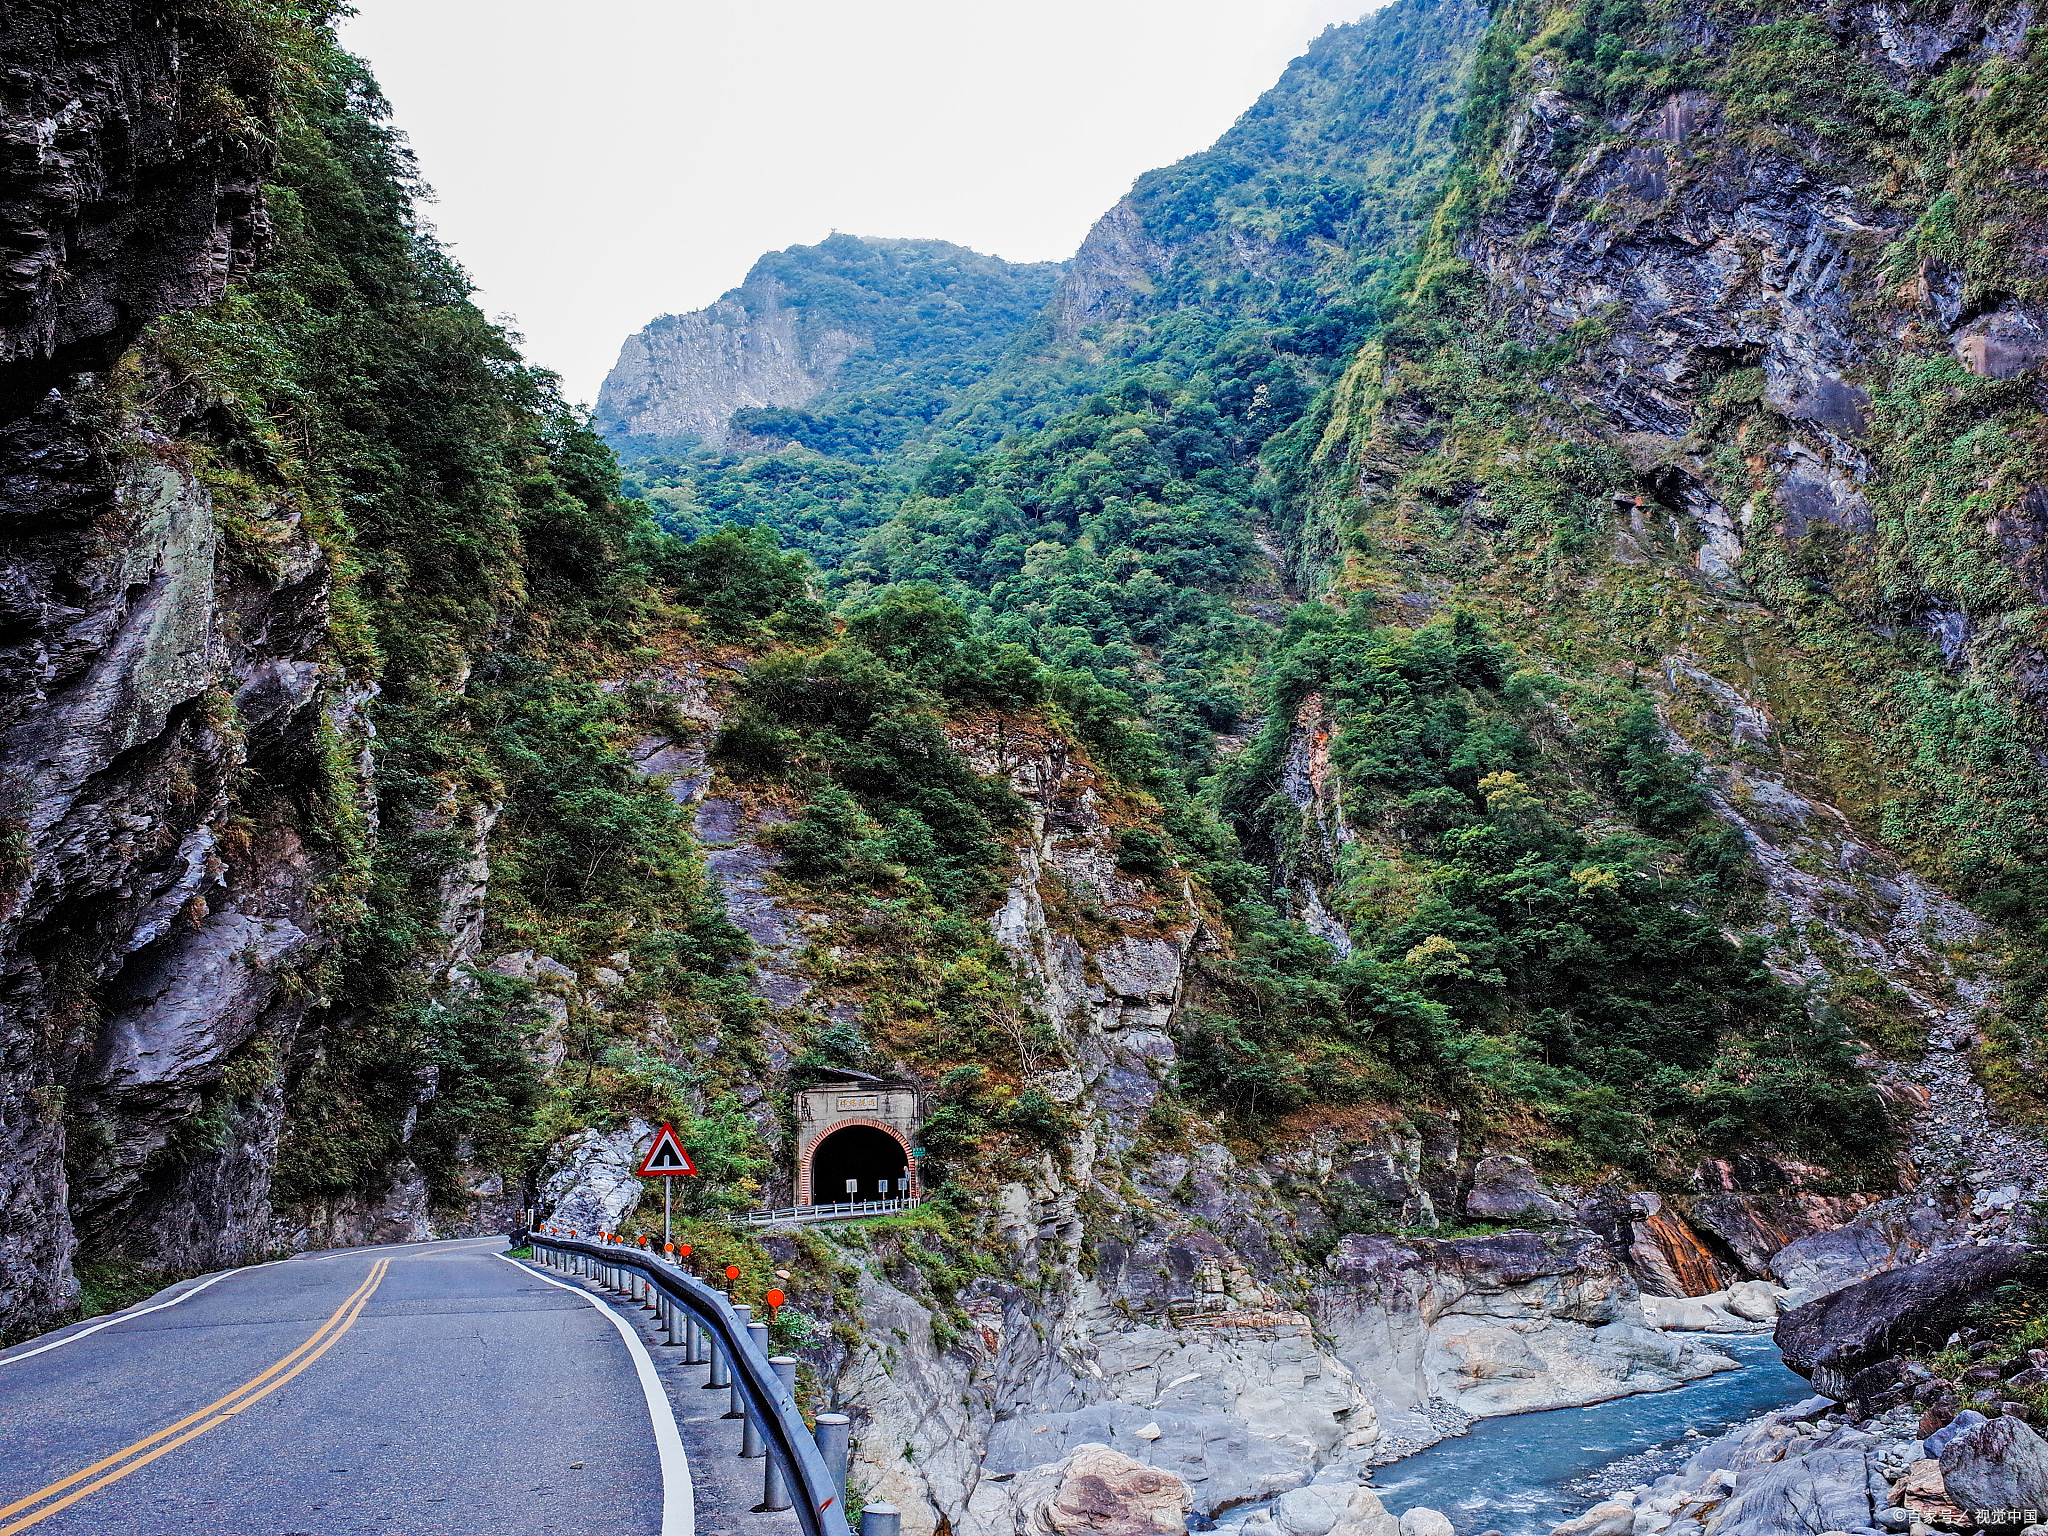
{"type": "Point", "coordinates": [45, 1502]}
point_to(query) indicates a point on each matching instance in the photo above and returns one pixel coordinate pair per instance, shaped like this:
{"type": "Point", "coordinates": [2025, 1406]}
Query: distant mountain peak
{"type": "Point", "coordinates": [850, 311]}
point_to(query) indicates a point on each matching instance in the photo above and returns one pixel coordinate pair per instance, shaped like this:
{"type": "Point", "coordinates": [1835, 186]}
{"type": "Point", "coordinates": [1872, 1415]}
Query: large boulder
{"type": "Point", "coordinates": [1096, 1491]}
{"type": "Point", "coordinates": [1999, 1464]}
{"type": "Point", "coordinates": [1755, 1300]}
{"type": "Point", "coordinates": [1692, 1314]}
{"type": "Point", "coordinates": [1830, 1340]}
{"type": "Point", "coordinates": [593, 1186]}
{"type": "Point", "coordinates": [1333, 1509]}
{"type": "Point", "coordinates": [1506, 1188]}
{"type": "Point", "coordinates": [1824, 1490]}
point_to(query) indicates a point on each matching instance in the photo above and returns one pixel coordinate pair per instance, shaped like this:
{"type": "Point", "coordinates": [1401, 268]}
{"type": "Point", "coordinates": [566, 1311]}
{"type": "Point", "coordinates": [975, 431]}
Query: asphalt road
{"type": "Point", "coordinates": [425, 1390]}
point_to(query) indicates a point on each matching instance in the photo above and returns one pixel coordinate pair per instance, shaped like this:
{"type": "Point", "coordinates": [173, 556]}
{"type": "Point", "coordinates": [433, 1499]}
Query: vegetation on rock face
{"type": "Point", "coordinates": [990, 536]}
{"type": "Point", "coordinates": [1216, 355]}
{"type": "Point", "coordinates": [1891, 627]}
{"type": "Point", "coordinates": [920, 321]}
{"type": "Point", "coordinates": [487, 575]}
{"type": "Point", "coordinates": [1536, 892]}
{"type": "Point", "coordinates": [1531, 859]}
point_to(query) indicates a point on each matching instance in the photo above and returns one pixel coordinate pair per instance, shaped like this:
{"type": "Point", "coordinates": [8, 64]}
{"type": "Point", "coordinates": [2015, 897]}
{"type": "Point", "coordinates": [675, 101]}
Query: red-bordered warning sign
{"type": "Point", "coordinates": [666, 1157]}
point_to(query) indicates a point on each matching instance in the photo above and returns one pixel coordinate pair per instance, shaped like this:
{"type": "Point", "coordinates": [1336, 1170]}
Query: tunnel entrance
{"type": "Point", "coordinates": [869, 1160]}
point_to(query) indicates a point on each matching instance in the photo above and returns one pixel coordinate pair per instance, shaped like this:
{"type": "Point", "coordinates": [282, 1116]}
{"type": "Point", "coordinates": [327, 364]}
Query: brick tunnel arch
{"type": "Point", "coordinates": [864, 1151]}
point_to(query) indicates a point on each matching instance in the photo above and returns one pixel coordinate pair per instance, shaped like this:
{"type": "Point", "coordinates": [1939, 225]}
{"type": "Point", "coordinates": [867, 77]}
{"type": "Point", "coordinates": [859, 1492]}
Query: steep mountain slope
{"type": "Point", "coordinates": [1291, 215]}
{"type": "Point", "coordinates": [876, 337]}
{"type": "Point", "coordinates": [311, 582]}
{"type": "Point", "coordinates": [1534, 843]}
{"type": "Point", "coordinates": [1703, 389]}
{"type": "Point", "coordinates": [1302, 213]}
{"type": "Point", "coordinates": [1413, 790]}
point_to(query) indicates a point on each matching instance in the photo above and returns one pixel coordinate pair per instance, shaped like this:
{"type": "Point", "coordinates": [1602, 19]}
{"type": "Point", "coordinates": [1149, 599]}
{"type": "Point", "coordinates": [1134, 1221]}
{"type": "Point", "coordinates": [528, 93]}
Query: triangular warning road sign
{"type": "Point", "coordinates": [666, 1156]}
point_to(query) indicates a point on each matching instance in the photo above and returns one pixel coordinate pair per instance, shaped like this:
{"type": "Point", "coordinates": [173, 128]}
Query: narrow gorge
{"type": "Point", "coordinates": [1424, 765]}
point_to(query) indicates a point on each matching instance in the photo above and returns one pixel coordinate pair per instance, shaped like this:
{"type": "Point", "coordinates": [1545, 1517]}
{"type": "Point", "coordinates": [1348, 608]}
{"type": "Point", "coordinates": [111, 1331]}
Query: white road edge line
{"type": "Point", "coordinates": [678, 1494]}
{"type": "Point", "coordinates": [125, 1316]}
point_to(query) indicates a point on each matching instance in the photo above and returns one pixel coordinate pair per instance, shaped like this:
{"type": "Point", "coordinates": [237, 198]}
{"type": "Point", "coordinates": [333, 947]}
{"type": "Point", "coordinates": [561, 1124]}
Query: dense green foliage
{"type": "Point", "coordinates": [1477, 485]}
{"type": "Point", "coordinates": [1537, 912]}
{"type": "Point", "coordinates": [1290, 219]}
{"type": "Point", "coordinates": [1094, 525]}
{"type": "Point", "coordinates": [929, 320]}
{"type": "Point", "coordinates": [487, 571]}
{"type": "Point", "coordinates": [1552, 888]}
{"type": "Point", "coordinates": [1278, 246]}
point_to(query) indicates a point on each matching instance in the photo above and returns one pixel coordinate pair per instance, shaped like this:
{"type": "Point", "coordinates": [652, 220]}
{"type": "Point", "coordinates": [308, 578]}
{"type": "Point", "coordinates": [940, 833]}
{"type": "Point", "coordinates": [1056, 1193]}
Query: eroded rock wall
{"type": "Point", "coordinates": [161, 701]}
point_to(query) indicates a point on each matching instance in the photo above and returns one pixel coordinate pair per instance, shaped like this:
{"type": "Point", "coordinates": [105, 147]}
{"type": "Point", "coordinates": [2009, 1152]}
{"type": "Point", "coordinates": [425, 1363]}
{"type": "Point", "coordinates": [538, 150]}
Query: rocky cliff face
{"type": "Point", "coordinates": [160, 890]}
{"type": "Point", "coordinates": [230, 948]}
{"type": "Point", "coordinates": [1774, 374]}
{"type": "Point", "coordinates": [813, 320]}
{"type": "Point", "coordinates": [685, 375]}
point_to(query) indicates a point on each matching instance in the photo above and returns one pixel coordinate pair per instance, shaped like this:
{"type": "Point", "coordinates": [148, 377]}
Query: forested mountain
{"type": "Point", "coordinates": [1452, 709]}
{"type": "Point", "coordinates": [852, 347]}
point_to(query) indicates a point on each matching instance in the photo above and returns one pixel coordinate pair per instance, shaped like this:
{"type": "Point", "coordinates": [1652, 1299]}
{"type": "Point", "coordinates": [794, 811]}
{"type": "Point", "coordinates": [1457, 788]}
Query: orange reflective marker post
{"type": "Point", "coordinates": [775, 1299]}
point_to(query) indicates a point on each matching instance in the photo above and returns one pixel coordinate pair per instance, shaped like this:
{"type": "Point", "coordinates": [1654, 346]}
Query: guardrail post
{"type": "Point", "coordinates": [757, 1336]}
{"type": "Point", "coordinates": [721, 1372]}
{"type": "Point", "coordinates": [835, 1433]}
{"type": "Point", "coordinates": [881, 1520]}
{"type": "Point", "coordinates": [751, 1443]}
{"type": "Point", "coordinates": [774, 1490]}
{"type": "Point", "coordinates": [693, 1340]}
{"type": "Point", "coordinates": [737, 1408]}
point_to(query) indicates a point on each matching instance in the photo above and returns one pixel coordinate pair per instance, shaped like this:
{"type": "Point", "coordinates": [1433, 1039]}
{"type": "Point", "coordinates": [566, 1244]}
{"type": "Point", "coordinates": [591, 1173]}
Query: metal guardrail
{"type": "Point", "coordinates": [843, 1211]}
{"type": "Point", "coordinates": [803, 1473]}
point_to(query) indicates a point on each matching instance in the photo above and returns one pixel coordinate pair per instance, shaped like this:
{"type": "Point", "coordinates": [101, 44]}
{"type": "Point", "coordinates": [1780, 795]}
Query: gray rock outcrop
{"type": "Point", "coordinates": [146, 942]}
{"type": "Point", "coordinates": [789, 332]}
{"type": "Point", "coordinates": [1830, 1340]}
{"type": "Point", "coordinates": [2000, 1464]}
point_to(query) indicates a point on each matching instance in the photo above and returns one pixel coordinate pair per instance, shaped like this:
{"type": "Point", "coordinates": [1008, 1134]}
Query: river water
{"type": "Point", "coordinates": [1527, 1472]}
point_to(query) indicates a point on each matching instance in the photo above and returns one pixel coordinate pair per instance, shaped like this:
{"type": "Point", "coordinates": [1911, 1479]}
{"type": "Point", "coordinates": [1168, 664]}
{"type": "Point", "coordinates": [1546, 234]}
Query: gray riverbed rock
{"type": "Point", "coordinates": [1999, 1464]}
{"type": "Point", "coordinates": [1501, 1324]}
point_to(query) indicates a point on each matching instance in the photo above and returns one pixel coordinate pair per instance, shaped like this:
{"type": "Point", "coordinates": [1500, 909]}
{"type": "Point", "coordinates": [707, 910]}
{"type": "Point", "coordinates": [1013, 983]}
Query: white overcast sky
{"type": "Point", "coordinates": [601, 163]}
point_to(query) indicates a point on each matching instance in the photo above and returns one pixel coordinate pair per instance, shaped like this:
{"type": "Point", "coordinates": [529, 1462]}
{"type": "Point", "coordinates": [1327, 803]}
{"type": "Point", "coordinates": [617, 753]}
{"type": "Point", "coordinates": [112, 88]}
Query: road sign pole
{"type": "Point", "coordinates": [667, 1230]}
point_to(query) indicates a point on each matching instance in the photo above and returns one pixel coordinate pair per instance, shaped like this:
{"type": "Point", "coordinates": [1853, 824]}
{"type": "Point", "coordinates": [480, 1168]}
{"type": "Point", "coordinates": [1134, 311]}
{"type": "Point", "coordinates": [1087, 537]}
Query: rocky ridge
{"type": "Point", "coordinates": [799, 325]}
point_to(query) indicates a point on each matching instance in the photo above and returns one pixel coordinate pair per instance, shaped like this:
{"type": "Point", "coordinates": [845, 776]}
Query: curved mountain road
{"type": "Point", "coordinates": [433, 1389]}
